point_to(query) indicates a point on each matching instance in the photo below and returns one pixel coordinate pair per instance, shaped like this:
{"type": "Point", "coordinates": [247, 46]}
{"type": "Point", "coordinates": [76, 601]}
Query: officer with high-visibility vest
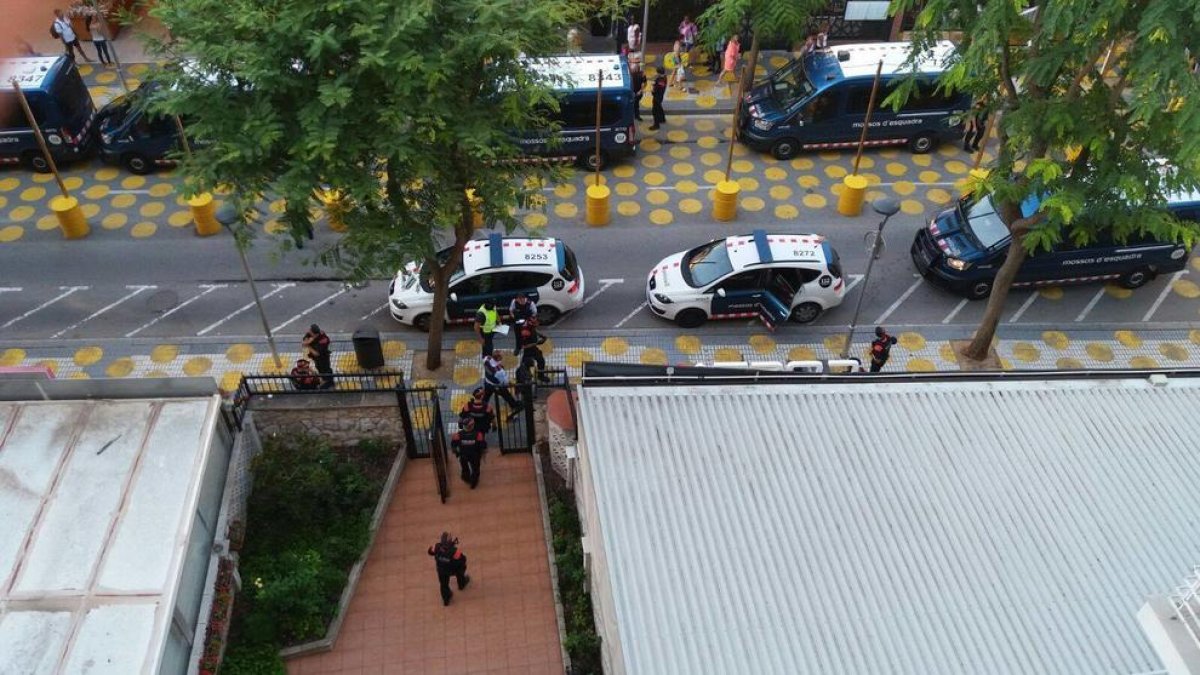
{"type": "Point", "coordinates": [487, 318]}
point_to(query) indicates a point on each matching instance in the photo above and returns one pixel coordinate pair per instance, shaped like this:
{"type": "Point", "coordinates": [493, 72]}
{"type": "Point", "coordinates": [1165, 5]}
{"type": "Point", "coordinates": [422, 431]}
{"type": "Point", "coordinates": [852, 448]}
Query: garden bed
{"type": "Point", "coordinates": [582, 642]}
{"type": "Point", "coordinates": [308, 522]}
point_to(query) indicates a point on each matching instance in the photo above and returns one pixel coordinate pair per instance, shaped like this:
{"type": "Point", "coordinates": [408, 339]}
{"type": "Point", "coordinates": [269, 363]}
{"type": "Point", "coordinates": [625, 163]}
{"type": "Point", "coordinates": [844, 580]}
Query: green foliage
{"type": "Point", "coordinates": [582, 643]}
{"type": "Point", "coordinates": [769, 19]}
{"type": "Point", "coordinates": [379, 452]}
{"type": "Point", "coordinates": [252, 660]}
{"type": "Point", "coordinates": [292, 594]}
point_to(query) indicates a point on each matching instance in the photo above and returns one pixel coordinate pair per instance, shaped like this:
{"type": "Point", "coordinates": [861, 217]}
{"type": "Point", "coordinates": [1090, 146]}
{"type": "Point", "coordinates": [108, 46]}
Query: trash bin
{"type": "Point", "coordinates": [368, 349]}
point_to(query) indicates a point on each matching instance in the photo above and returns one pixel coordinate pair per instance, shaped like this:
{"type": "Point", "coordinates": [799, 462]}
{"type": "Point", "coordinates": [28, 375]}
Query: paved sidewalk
{"type": "Point", "coordinates": [504, 622]}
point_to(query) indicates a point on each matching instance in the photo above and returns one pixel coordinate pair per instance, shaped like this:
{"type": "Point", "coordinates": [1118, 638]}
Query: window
{"type": "Point", "coordinates": [858, 97]}
{"type": "Point", "coordinates": [823, 108]}
{"type": "Point", "coordinates": [518, 281]}
{"type": "Point", "coordinates": [744, 281]}
{"type": "Point", "coordinates": [704, 265]}
{"type": "Point", "coordinates": [927, 97]}
{"type": "Point", "coordinates": [11, 115]}
{"type": "Point", "coordinates": [574, 115]}
{"type": "Point", "coordinates": [476, 285]}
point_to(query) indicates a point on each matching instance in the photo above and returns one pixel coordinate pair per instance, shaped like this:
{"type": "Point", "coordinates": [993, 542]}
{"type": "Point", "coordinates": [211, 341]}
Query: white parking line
{"type": "Point", "coordinates": [899, 301]}
{"type": "Point", "coordinates": [1163, 295]}
{"type": "Point", "coordinates": [77, 324]}
{"type": "Point", "coordinates": [1095, 298]}
{"type": "Point", "coordinates": [373, 312]}
{"type": "Point", "coordinates": [227, 317]}
{"type": "Point", "coordinates": [631, 314]}
{"type": "Point", "coordinates": [208, 288]}
{"type": "Point", "coordinates": [66, 290]}
{"type": "Point", "coordinates": [310, 310]}
{"type": "Point", "coordinates": [8, 289]}
{"type": "Point", "coordinates": [1024, 306]}
{"type": "Point", "coordinates": [954, 312]}
{"type": "Point", "coordinates": [854, 279]}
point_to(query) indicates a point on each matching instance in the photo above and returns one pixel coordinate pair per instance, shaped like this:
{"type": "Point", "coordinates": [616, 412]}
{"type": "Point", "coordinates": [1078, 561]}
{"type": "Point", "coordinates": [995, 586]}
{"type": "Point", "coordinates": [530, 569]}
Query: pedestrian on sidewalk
{"type": "Point", "coordinates": [633, 37]}
{"type": "Point", "coordinates": [529, 342]}
{"type": "Point", "coordinates": [976, 126]}
{"type": "Point", "coordinates": [495, 381]}
{"type": "Point", "coordinates": [881, 349]}
{"type": "Point", "coordinates": [478, 410]}
{"type": "Point", "coordinates": [688, 31]}
{"type": "Point", "coordinates": [487, 318]}
{"type": "Point", "coordinates": [303, 377]}
{"type": "Point", "coordinates": [450, 562]}
{"type": "Point", "coordinates": [468, 444]}
{"type": "Point", "coordinates": [61, 29]}
{"type": "Point", "coordinates": [317, 346]}
{"type": "Point", "coordinates": [657, 92]}
{"type": "Point", "coordinates": [100, 40]}
{"type": "Point", "coordinates": [677, 62]}
{"type": "Point", "coordinates": [733, 53]}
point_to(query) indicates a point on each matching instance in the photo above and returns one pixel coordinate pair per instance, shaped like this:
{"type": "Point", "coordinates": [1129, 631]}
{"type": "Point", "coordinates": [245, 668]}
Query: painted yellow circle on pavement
{"type": "Point", "coordinates": [929, 176]}
{"type": "Point", "coordinates": [1098, 351]}
{"type": "Point", "coordinates": [920, 366]}
{"type": "Point", "coordinates": [650, 144]}
{"type": "Point", "coordinates": [1025, 352]}
{"type": "Point", "coordinates": [143, 230]}
{"type": "Point", "coordinates": [161, 189]}
{"type": "Point", "coordinates": [708, 142]}
{"type": "Point", "coordinates": [654, 178]}
{"type": "Point", "coordinates": [939, 196]}
{"type": "Point", "coordinates": [466, 375]}
{"type": "Point", "coordinates": [11, 233]}
{"type": "Point", "coordinates": [912, 207]}
{"type": "Point", "coordinates": [394, 349]}
{"type": "Point", "coordinates": [922, 160]}
{"type": "Point", "coordinates": [12, 357]}
{"type": "Point", "coordinates": [133, 182]}
{"type": "Point", "coordinates": [808, 181]}
{"type": "Point", "coordinates": [43, 177]}
{"type": "Point", "coordinates": [9, 184]}
{"type": "Point", "coordinates": [626, 189]}
{"type": "Point", "coordinates": [904, 188]}
{"type": "Point", "coordinates": [775, 173]}
{"type": "Point", "coordinates": [705, 100]}
{"type": "Point", "coordinates": [1173, 351]}
{"type": "Point", "coordinates": [687, 344]}
{"type": "Point", "coordinates": [114, 221]}
{"type": "Point", "coordinates": [1142, 362]}
{"type": "Point", "coordinates": [629, 208]}
{"type": "Point", "coordinates": [535, 220]}
{"type": "Point", "coordinates": [686, 187]}
{"type": "Point", "coordinates": [566, 210]}
{"type": "Point", "coordinates": [947, 354]}
{"type": "Point", "coordinates": [752, 204]}
{"type": "Point", "coordinates": [180, 219]}
{"type": "Point", "coordinates": [711, 159]}
{"type": "Point", "coordinates": [86, 356]}
{"type": "Point", "coordinates": [1056, 339]}
{"type": "Point", "coordinates": [1194, 336]}
{"type": "Point", "coordinates": [652, 161]}
{"type": "Point", "coordinates": [742, 166]}
{"type": "Point", "coordinates": [121, 367]}
{"type": "Point", "coordinates": [152, 209]}
{"type": "Point", "coordinates": [106, 174]}
{"type": "Point", "coordinates": [106, 77]}
{"type": "Point", "coordinates": [829, 155]}
{"type": "Point", "coordinates": [895, 169]}
{"type": "Point", "coordinates": [1128, 338]}
{"type": "Point", "coordinates": [661, 217]}
{"type": "Point", "coordinates": [98, 191]}
{"type": "Point", "coordinates": [614, 346]}
{"type": "Point", "coordinates": [653, 356]}
{"type": "Point", "coordinates": [1051, 293]}
{"type": "Point", "coordinates": [577, 357]}
{"type": "Point", "coordinates": [73, 182]}
{"type": "Point", "coordinates": [835, 171]}
{"type": "Point", "coordinates": [464, 348]}
{"type": "Point", "coordinates": [690, 206]}
{"type": "Point", "coordinates": [762, 344]}
{"type": "Point", "coordinates": [230, 380]}
{"type": "Point", "coordinates": [21, 213]}
{"type": "Point", "coordinates": [801, 353]}
{"type": "Point", "coordinates": [683, 169]}
{"type": "Point", "coordinates": [780, 192]}
{"type": "Point", "coordinates": [164, 353]}
{"type": "Point", "coordinates": [1196, 262]}
{"type": "Point", "coordinates": [624, 171]}
{"type": "Point", "coordinates": [714, 176]}
{"type": "Point", "coordinates": [802, 163]}
{"type": "Point", "coordinates": [814, 201]}
{"type": "Point", "coordinates": [726, 355]}
{"type": "Point", "coordinates": [565, 190]}
{"type": "Point", "coordinates": [1117, 291]}
{"type": "Point", "coordinates": [705, 125]}
{"type": "Point", "coordinates": [658, 197]}
{"type": "Point", "coordinates": [677, 135]}
{"type": "Point", "coordinates": [950, 151]}
{"type": "Point", "coordinates": [123, 201]}
{"type": "Point", "coordinates": [1068, 363]}
{"type": "Point", "coordinates": [748, 184]}
{"type": "Point", "coordinates": [1186, 288]}
{"type": "Point", "coordinates": [680, 152]}
{"type": "Point", "coordinates": [786, 211]}
{"type": "Point", "coordinates": [955, 166]}
{"type": "Point", "coordinates": [913, 342]}
{"type": "Point", "coordinates": [33, 194]}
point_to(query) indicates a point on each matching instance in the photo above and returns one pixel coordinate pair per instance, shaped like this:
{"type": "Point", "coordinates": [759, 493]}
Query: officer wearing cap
{"type": "Point", "coordinates": [881, 349]}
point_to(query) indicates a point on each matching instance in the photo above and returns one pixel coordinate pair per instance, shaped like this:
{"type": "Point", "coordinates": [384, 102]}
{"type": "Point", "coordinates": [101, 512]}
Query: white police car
{"type": "Point", "coordinates": [770, 276]}
{"type": "Point", "coordinates": [497, 269]}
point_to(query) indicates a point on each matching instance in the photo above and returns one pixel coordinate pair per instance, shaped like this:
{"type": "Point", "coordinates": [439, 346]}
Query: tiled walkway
{"type": "Point", "coordinates": [503, 622]}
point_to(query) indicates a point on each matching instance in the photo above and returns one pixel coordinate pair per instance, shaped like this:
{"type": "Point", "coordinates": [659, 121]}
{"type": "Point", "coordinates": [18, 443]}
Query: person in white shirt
{"type": "Point", "coordinates": [634, 37]}
{"type": "Point", "coordinates": [62, 29]}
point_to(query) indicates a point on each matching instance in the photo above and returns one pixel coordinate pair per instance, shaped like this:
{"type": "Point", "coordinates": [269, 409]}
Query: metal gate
{"type": "Point", "coordinates": [425, 430]}
{"type": "Point", "coordinates": [514, 427]}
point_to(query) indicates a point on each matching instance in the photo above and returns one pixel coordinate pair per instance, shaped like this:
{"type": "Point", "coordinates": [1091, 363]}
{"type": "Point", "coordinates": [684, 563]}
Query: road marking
{"type": "Point", "coordinates": [77, 324]}
{"type": "Point", "coordinates": [611, 281]}
{"type": "Point", "coordinates": [1024, 306]}
{"type": "Point", "coordinates": [854, 279]}
{"type": "Point", "coordinates": [208, 288]}
{"type": "Point", "coordinates": [1095, 298]}
{"type": "Point", "coordinates": [374, 312]}
{"type": "Point", "coordinates": [954, 312]}
{"type": "Point", "coordinates": [631, 314]}
{"type": "Point", "coordinates": [899, 301]}
{"type": "Point", "coordinates": [605, 284]}
{"type": "Point", "coordinates": [6, 289]}
{"type": "Point", "coordinates": [1163, 295]}
{"type": "Point", "coordinates": [227, 317]}
{"type": "Point", "coordinates": [67, 290]}
{"type": "Point", "coordinates": [310, 310]}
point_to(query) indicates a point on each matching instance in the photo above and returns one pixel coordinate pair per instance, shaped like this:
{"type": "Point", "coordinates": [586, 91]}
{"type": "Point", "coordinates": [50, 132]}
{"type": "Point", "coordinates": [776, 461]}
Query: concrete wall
{"type": "Point", "coordinates": [344, 419]}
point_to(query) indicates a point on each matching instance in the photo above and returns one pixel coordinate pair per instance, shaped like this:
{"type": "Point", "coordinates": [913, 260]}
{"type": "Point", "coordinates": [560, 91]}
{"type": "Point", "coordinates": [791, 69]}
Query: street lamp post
{"type": "Point", "coordinates": [227, 215]}
{"type": "Point", "coordinates": [886, 207]}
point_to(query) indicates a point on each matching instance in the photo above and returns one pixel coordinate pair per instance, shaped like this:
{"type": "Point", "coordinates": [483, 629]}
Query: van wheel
{"type": "Point", "coordinates": [785, 148]}
{"type": "Point", "coordinates": [922, 143]}
{"type": "Point", "coordinates": [691, 318]}
{"type": "Point", "coordinates": [1137, 278]}
{"type": "Point", "coordinates": [548, 315]}
{"type": "Point", "coordinates": [590, 161]}
{"type": "Point", "coordinates": [137, 163]}
{"type": "Point", "coordinates": [36, 161]}
{"type": "Point", "coordinates": [806, 312]}
{"type": "Point", "coordinates": [980, 290]}
{"type": "Point", "coordinates": [421, 323]}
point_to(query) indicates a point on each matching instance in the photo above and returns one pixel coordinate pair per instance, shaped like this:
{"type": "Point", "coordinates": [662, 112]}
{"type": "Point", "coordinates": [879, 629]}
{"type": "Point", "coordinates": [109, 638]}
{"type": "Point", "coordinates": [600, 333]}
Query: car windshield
{"type": "Point", "coordinates": [427, 280]}
{"type": "Point", "coordinates": [704, 265]}
{"type": "Point", "coordinates": [984, 224]}
{"type": "Point", "coordinates": [790, 84]}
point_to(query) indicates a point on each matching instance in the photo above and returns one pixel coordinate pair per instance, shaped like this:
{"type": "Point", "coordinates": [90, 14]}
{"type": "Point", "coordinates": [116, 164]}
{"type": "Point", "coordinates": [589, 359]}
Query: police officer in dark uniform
{"type": "Point", "coordinates": [478, 409]}
{"type": "Point", "coordinates": [881, 349]}
{"type": "Point", "coordinates": [317, 343]}
{"type": "Point", "coordinates": [521, 309]}
{"type": "Point", "coordinates": [450, 562]}
{"type": "Point", "coordinates": [469, 443]}
{"type": "Point", "coordinates": [303, 377]}
{"type": "Point", "coordinates": [528, 341]}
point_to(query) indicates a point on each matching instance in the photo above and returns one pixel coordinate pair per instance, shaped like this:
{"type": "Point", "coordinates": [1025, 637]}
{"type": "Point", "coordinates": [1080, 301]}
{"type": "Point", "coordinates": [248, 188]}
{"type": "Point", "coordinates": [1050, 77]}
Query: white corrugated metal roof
{"type": "Point", "coordinates": [923, 528]}
{"type": "Point", "coordinates": [96, 504]}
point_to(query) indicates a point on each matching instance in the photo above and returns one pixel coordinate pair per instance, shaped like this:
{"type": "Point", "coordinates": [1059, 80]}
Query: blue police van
{"type": "Point", "coordinates": [578, 78]}
{"type": "Point", "coordinates": [60, 103]}
{"type": "Point", "coordinates": [819, 101]}
{"type": "Point", "coordinates": [133, 137]}
{"type": "Point", "coordinates": [962, 250]}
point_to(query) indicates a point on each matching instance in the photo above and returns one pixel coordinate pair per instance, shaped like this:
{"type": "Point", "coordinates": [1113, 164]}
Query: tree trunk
{"type": "Point", "coordinates": [441, 291]}
{"type": "Point", "coordinates": [748, 74]}
{"type": "Point", "coordinates": [982, 341]}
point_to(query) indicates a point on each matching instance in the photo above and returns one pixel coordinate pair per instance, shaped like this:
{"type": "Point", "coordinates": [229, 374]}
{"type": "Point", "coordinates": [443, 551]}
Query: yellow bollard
{"type": "Point", "coordinates": [974, 176]}
{"type": "Point", "coordinates": [597, 212]}
{"type": "Point", "coordinates": [725, 200]}
{"type": "Point", "coordinates": [476, 208]}
{"type": "Point", "coordinates": [204, 211]}
{"type": "Point", "coordinates": [854, 191]}
{"type": "Point", "coordinates": [70, 217]}
{"type": "Point", "coordinates": [335, 207]}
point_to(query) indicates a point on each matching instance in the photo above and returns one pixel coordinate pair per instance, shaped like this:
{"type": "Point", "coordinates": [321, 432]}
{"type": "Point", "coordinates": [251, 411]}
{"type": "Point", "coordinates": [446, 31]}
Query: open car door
{"type": "Point", "coordinates": [775, 304]}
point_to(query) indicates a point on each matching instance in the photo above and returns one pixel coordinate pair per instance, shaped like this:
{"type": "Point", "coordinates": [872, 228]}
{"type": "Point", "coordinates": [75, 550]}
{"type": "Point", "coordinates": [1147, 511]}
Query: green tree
{"type": "Point", "coordinates": [399, 107]}
{"type": "Point", "coordinates": [1098, 113]}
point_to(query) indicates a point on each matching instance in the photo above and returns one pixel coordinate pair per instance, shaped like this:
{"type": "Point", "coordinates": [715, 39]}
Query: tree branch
{"type": "Point", "coordinates": [1006, 82]}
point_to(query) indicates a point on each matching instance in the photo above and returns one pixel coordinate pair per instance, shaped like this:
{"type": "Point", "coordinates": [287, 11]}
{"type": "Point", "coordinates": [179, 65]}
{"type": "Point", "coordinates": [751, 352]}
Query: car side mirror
{"type": "Point", "coordinates": [720, 292]}
{"type": "Point", "coordinates": [454, 297]}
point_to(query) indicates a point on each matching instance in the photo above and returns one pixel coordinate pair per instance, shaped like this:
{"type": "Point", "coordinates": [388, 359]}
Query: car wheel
{"type": "Point", "coordinates": [548, 315]}
{"type": "Point", "coordinates": [421, 322]}
{"type": "Point", "coordinates": [691, 318]}
{"type": "Point", "coordinates": [922, 143]}
{"type": "Point", "coordinates": [785, 148]}
{"type": "Point", "coordinates": [806, 312]}
{"type": "Point", "coordinates": [592, 162]}
{"type": "Point", "coordinates": [137, 163]}
{"type": "Point", "coordinates": [1137, 278]}
{"type": "Point", "coordinates": [36, 161]}
{"type": "Point", "coordinates": [980, 290]}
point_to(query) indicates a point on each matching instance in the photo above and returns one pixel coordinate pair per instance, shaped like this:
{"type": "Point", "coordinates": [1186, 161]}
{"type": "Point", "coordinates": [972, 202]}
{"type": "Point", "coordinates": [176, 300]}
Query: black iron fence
{"type": "Point", "coordinates": [252, 386]}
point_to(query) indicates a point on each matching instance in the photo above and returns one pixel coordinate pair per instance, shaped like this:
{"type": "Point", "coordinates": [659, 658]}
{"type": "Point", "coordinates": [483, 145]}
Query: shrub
{"type": "Point", "coordinates": [377, 451]}
{"type": "Point", "coordinates": [582, 642]}
{"type": "Point", "coordinates": [253, 660]}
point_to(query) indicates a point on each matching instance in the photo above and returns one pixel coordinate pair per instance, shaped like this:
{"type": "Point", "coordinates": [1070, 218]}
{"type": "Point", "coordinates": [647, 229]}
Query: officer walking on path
{"type": "Point", "coordinates": [478, 409]}
{"type": "Point", "coordinates": [487, 319]}
{"type": "Point", "coordinates": [495, 381]}
{"type": "Point", "coordinates": [468, 444]}
{"type": "Point", "coordinates": [881, 349]}
{"type": "Point", "coordinates": [316, 343]}
{"type": "Point", "coordinates": [529, 350]}
{"type": "Point", "coordinates": [450, 562]}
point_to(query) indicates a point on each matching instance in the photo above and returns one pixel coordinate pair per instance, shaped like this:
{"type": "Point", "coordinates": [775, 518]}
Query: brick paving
{"type": "Point", "coordinates": [504, 622]}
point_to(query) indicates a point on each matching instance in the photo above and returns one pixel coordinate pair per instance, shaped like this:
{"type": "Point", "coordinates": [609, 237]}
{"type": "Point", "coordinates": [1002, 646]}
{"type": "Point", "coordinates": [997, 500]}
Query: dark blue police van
{"type": "Point", "coordinates": [134, 137]}
{"type": "Point", "coordinates": [819, 101]}
{"type": "Point", "coordinates": [60, 103]}
{"type": "Point", "coordinates": [963, 248]}
{"type": "Point", "coordinates": [579, 78]}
